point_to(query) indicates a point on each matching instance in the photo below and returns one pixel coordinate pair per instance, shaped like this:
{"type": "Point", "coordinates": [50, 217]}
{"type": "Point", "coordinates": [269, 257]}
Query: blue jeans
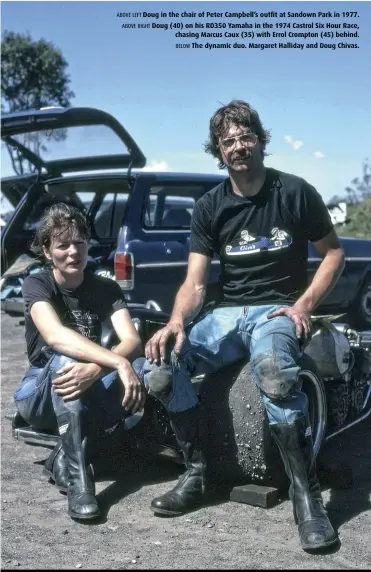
{"type": "Point", "coordinates": [40, 406]}
{"type": "Point", "coordinates": [223, 336]}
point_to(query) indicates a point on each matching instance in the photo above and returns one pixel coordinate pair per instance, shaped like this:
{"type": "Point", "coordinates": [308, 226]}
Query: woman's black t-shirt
{"type": "Point", "coordinates": [262, 241]}
{"type": "Point", "coordinates": [82, 309]}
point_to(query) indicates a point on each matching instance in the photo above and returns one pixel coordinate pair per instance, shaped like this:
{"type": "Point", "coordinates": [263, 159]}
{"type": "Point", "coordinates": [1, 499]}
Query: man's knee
{"type": "Point", "coordinates": [158, 378]}
{"type": "Point", "coordinates": [277, 377]}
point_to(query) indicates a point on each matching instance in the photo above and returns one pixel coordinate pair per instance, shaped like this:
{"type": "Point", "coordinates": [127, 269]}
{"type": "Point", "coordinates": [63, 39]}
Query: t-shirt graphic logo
{"type": "Point", "coordinates": [280, 239]}
{"type": "Point", "coordinates": [83, 322]}
{"type": "Point", "coordinates": [278, 234]}
{"type": "Point", "coordinates": [246, 237]}
{"type": "Point", "coordinates": [249, 244]}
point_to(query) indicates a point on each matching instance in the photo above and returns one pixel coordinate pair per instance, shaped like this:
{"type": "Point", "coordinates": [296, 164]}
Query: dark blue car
{"type": "Point", "coordinates": [140, 220]}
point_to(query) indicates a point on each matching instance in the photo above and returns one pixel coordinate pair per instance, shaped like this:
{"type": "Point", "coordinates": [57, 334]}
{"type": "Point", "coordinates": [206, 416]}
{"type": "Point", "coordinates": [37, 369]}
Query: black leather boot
{"type": "Point", "coordinates": [189, 492]}
{"type": "Point", "coordinates": [56, 468]}
{"type": "Point", "coordinates": [294, 441]}
{"type": "Point", "coordinates": [82, 503]}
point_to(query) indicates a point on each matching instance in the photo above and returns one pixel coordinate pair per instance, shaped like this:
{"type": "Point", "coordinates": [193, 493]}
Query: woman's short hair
{"type": "Point", "coordinates": [56, 220]}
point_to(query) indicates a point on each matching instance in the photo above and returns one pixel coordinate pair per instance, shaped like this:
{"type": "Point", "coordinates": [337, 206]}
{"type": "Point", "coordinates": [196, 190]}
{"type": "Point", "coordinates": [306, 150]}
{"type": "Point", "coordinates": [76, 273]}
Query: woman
{"type": "Point", "coordinates": [73, 383]}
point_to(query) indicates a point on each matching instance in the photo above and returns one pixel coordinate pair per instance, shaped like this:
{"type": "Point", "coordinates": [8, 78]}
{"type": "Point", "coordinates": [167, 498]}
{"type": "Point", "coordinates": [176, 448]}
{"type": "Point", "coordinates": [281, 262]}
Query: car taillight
{"type": "Point", "coordinates": [124, 270]}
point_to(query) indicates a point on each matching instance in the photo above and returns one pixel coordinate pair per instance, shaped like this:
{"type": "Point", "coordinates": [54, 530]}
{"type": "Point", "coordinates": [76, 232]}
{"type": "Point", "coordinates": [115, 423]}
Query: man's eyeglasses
{"type": "Point", "coordinates": [247, 139]}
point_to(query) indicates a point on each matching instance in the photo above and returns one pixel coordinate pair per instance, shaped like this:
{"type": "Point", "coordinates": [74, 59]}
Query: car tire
{"type": "Point", "coordinates": [241, 448]}
{"type": "Point", "coordinates": [360, 312]}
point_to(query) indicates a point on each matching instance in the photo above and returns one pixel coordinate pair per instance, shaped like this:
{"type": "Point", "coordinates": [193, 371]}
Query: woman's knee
{"type": "Point", "coordinates": [37, 411]}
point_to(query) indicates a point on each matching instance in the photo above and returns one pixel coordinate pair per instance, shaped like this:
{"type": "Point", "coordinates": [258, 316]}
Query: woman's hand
{"type": "Point", "coordinates": [75, 378]}
{"type": "Point", "coordinates": [135, 391]}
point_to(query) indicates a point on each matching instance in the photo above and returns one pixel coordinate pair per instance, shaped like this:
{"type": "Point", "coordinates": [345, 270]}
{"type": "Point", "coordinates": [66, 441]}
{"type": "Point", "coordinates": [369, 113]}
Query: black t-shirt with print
{"type": "Point", "coordinates": [82, 309]}
{"type": "Point", "coordinates": [262, 241]}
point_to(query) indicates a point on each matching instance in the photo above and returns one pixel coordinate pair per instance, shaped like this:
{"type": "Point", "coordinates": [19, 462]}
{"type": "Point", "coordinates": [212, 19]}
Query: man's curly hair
{"type": "Point", "coordinates": [237, 112]}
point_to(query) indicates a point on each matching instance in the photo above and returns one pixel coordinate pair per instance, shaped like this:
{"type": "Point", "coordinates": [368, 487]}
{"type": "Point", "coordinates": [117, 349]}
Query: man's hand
{"type": "Point", "coordinates": [135, 392]}
{"type": "Point", "coordinates": [156, 347]}
{"type": "Point", "coordinates": [301, 318]}
{"type": "Point", "coordinates": [75, 378]}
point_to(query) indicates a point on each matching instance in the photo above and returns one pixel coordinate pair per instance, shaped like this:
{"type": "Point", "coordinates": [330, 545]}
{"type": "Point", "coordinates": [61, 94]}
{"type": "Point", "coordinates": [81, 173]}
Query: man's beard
{"type": "Point", "coordinates": [238, 161]}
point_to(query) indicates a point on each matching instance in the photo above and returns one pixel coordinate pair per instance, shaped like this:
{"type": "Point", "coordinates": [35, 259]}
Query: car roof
{"type": "Point", "coordinates": [181, 175]}
{"type": "Point", "coordinates": [163, 175]}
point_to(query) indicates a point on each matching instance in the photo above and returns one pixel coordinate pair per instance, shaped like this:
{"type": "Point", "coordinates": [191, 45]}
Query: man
{"type": "Point", "coordinates": [259, 222]}
{"type": "Point", "coordinates": [73, 384]}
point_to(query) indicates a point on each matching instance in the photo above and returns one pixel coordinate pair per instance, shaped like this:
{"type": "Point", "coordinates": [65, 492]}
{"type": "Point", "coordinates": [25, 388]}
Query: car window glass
{"type": "Point", "coordinates": [33, 220]}
{"type": "Point", "coordinates": [171, 205]}
{"type": "Point", "coordinates": [110, 215]}
{"type": "Point", "coordinates": [66, 143]}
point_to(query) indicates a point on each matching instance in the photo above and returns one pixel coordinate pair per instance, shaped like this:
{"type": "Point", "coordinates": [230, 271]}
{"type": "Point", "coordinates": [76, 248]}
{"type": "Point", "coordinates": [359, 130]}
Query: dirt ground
{"type": "Point", "coordinates": [38, 534]}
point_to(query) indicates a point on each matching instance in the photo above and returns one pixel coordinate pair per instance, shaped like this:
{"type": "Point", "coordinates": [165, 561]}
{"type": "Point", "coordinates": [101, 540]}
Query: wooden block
{"type": "Point", "coordinates": [255, 495]}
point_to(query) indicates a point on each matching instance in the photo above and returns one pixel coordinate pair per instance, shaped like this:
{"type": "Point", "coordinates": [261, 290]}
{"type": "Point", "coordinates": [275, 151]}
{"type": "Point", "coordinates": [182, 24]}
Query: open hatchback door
{"type": "Point", "coordinates": [55, 142]}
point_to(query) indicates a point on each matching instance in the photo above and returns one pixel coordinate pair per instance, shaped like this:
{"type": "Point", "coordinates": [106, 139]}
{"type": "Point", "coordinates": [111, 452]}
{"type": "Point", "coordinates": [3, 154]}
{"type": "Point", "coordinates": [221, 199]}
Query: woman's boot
{"type": "Point", "coordinates": [82, 503]}
{"type": "Point", "coordinates": [56, 468]}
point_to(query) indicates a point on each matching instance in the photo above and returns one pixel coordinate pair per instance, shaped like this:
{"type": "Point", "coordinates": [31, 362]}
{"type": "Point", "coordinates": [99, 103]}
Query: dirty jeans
{"type": "Point", "coordinates": [40, 406]}
{"type": "Point", "coordinates": [223, 336]}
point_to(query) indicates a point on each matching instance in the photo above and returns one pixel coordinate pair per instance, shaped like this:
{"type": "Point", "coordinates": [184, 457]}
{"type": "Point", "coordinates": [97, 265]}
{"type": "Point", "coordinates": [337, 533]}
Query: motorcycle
{"type": "Point", "coordinates": [335, 373]}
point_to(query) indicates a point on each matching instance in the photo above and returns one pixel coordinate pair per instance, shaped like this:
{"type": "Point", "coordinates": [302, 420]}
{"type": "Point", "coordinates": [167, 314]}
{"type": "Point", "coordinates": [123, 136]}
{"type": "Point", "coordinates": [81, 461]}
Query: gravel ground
{"type": "Point", "coordinates": [38, 534]}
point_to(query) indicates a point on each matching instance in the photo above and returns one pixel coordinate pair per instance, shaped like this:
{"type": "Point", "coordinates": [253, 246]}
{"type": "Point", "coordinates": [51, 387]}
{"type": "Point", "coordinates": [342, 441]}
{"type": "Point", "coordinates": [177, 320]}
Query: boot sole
{"type": "Point", "coordinates": [327, 544]}
{"type": "Point", "coordinates": [167, 512]}
{"type": "Point", "coordinates": [49, 474]}
{"type": "Point", "coordinates": [83, 516]}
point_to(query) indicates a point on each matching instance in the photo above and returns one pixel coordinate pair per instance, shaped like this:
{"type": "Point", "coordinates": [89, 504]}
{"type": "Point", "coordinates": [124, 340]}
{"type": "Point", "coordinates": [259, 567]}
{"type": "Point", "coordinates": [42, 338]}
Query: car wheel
{"type": "Point", "coordinates": [241, 448]}
{"type": "Point", "coordinates": [360, 313]}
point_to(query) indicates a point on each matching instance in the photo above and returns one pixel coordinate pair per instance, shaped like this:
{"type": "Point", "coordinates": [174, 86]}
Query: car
{"type": "Point", "coordinates": [140, 220]}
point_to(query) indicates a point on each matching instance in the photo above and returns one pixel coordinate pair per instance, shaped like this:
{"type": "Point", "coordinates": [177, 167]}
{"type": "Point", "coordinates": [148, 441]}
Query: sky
{"type": "Point", "coordinates": [316, 103]}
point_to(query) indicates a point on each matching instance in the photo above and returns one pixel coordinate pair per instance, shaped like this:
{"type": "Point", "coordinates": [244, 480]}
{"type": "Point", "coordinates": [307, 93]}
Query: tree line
{"type": "Point", "coordinates": [357, 196]}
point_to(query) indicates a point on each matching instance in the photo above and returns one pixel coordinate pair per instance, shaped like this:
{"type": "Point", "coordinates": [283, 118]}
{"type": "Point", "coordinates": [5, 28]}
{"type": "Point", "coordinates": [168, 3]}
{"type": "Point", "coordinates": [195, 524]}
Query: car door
{"type": "Point", "coordinates": [16, 236]}
{"type": "Point", "coordinates": [13, 189]}
{"type": "Point", "coordinates": [55, 142]}
{"type": "Point", "coordinates": [357, 262]}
